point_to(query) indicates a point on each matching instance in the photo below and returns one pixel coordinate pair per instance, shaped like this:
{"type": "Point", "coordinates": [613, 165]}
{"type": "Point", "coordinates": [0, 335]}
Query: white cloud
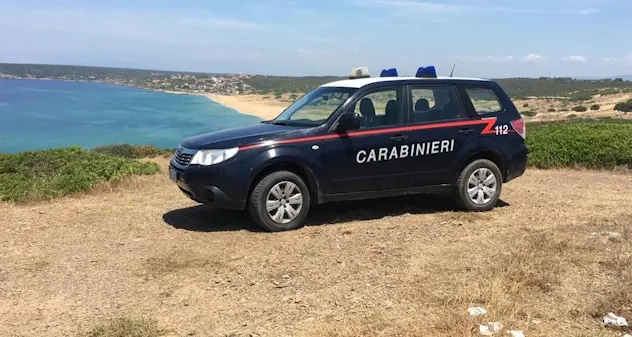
{"type": "Point", "coordinates": [575, 58]}
{"type": "Point", "coordinates": [624, 61]}
{"type": "Point", "coordinates": [534, 58]}
{"type": "Point", "coordinates": [220, 23]}
{"type": "Point", "coordinates": [480, 58]}
{"type": "Point", "coordinates": [417, 6]}
{"type": "Point", "coordinates": [423, 6]}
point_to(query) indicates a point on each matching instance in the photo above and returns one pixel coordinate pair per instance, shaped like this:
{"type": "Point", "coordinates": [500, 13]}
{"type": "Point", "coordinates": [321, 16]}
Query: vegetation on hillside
{"type": "Point", "coordinates": [133, 151]}
{"type": "Point", "coordinates": [604, 144]}
{"type": "Point", "coordinates": [576, 90]}
{"type": "Point", "coordinates": [624, 106]}
{"type": "Point", "coordinates": [41, 175]}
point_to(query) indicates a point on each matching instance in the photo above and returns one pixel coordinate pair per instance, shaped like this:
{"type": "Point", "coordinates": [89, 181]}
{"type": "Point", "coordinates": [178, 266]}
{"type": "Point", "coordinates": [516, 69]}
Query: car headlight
{"type": "Point", "coordinates": [211, 157]}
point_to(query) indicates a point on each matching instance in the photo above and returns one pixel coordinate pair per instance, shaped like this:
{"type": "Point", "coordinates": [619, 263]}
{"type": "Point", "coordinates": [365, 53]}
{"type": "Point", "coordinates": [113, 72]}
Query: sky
{"type": "Point", "coordinates": [484, 38]}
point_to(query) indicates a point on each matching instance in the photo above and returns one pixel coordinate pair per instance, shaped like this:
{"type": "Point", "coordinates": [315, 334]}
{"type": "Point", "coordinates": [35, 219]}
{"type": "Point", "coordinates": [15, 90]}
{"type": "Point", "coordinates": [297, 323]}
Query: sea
{"type": "Point", "coordinates": [44, 114]}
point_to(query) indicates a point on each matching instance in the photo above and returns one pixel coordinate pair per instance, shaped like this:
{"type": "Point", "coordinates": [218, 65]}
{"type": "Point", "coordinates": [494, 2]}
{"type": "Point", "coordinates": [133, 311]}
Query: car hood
{"type": "Point", "coordinates": [234, 137]}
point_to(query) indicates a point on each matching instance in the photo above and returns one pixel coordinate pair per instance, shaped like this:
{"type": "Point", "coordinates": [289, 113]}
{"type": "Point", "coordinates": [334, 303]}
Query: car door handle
{"type": "Point", "coordinates": [398, 138]}
{"type": "Point", "coordinates": [466, 131]}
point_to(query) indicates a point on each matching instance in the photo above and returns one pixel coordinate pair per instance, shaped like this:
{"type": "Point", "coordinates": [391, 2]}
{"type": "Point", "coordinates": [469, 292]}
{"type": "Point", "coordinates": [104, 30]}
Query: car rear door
{"type": "Point", "coordinates": [440, 126]}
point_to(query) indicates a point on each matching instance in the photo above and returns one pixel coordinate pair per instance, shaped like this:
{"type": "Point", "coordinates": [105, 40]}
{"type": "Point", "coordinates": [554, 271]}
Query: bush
{"type": "Point", "coordinates": [580, 96]}
{"type": "Point", "coordinates": [529, 113]}
{"type": "Point", "coordinates": [132, 151]}
{"type": "Point", "coordinates": [564, 110]}
{"type": "Point", "coordinates": [624, 106]}
{"type": "Point", "coordinates": [551, 110]}
{"type": "Point", "coordinates": [580, 108]}
{"type": "Point", "coordinates": [526, 105]}
{"type": "Point", "coordinates": [597, 145]}
{"type": "Point", "coordinates": [47, 174]}
{"type": "Point", "coordinates": [595, 107]}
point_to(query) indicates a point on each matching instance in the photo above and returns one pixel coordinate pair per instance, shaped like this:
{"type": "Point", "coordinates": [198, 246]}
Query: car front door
{"type": "Point", "coordinates": [439, 124]}
{"type": "Point", "coordinates": [374, 157]}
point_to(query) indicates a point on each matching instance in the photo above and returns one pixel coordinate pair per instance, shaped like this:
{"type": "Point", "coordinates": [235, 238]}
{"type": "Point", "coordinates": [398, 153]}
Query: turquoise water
{"type": "Point", "coordinates": [38, 114]}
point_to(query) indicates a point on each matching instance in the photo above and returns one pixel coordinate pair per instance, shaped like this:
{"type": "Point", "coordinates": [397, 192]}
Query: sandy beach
{"type": "Point", "coordinates": [255, 105]}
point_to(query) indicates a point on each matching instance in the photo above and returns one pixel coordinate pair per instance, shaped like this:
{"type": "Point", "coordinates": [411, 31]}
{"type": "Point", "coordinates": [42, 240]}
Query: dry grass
{"type": "Point", "coordinates": [396, 267]}
{"type": "Point", "coordinates": [126, 327]}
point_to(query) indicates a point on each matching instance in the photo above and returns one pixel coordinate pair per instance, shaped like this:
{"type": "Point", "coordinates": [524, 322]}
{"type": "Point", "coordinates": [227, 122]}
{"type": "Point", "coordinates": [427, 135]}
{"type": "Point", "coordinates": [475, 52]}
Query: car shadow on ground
{"type": "Point", "coordinates": [203, 218]}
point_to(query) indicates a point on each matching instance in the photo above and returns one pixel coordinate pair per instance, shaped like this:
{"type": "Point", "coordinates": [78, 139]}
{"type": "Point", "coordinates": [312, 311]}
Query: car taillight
{"type": "Point", "coordinates": [520, 127]}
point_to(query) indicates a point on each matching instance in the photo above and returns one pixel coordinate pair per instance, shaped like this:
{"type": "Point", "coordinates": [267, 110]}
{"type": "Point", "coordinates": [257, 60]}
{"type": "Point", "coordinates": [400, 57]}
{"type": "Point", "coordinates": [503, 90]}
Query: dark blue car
{"type": "Point", "coordinates": [365, 137]}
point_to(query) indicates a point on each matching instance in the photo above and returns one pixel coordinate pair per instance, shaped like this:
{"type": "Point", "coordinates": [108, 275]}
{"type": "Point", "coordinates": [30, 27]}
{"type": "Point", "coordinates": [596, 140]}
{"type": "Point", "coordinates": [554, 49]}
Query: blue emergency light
{"type": "Point", "coordinates": [389, 72]}
{"type": "Point", "coordinates": [426, 72]}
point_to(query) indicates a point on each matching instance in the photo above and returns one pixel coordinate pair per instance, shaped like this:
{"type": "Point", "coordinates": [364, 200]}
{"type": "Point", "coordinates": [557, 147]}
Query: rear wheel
{"type": "Point", "coordinates": [279, 202]}
{"type": "Point", "coordinates": [479, 186]}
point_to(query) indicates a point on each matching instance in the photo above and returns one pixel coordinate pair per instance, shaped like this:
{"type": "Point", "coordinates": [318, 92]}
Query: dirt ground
{"type": "Point", "coordinates": [397, 267]}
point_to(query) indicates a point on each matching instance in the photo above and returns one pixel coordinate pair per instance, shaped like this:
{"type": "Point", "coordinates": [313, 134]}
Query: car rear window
{"type": "Point", "coordinates": [484, 100]}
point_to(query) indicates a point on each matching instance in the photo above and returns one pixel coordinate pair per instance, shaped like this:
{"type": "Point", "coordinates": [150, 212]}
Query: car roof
{"type": "Point", "coordinates": [361, 82]}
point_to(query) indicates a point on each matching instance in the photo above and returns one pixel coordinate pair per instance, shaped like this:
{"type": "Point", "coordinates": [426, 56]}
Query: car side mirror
{"type": "Point", "coordinates": [349, 121]}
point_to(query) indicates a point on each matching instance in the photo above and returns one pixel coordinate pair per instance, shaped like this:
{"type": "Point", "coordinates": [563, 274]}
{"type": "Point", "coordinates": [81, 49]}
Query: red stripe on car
{"type": "Point", "coordinates": [486, 131]}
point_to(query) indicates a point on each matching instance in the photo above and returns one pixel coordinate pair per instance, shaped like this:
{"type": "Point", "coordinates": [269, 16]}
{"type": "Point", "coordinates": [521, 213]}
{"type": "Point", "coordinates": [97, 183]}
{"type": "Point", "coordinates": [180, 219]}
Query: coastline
{"type": "Point", "coordinates": [264, 107]}
{"type": "Point", "coordinates": [254, 105]}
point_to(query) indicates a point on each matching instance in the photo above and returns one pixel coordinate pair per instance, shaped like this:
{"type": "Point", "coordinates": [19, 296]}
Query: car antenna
{"type": "Point", "coordinates": [452, 73]}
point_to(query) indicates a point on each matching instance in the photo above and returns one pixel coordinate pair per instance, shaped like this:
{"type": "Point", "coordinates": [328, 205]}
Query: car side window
{"type": "Point", "coordinates": [430, 104]}
{"type": "Point", "coordinates": [484, 101]}
{"type": "Point", "coordinates": [380, 108]}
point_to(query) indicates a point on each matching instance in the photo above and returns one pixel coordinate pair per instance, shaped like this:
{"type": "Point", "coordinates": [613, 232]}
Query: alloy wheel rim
{"type": "Point", "coordinates": [482, 186]}
{"type": "Point", "coordinates": [284, 202]}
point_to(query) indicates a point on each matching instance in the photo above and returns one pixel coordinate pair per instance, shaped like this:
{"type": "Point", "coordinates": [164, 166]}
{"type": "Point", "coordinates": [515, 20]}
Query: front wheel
{"type": "Point", "coordinates": [479, 186]}
{"type": "Point", "coordinates": [279, 202]}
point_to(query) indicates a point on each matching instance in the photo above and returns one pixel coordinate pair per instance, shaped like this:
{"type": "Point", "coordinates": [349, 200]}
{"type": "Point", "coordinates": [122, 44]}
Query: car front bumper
{"type": "Point", "coordinates": [209, 185]}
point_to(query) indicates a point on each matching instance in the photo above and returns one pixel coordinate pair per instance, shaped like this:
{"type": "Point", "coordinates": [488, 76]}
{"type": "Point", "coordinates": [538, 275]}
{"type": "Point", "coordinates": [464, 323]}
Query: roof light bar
{"type": "Point", "coordinates": [389, 73]}
{"type": "Point", "coordinates": [360, 72]}
{"type": "Point", "coordinates": [426, 72]}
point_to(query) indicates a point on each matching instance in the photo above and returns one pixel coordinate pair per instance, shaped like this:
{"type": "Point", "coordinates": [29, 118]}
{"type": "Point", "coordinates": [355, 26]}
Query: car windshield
{"type": "Point", "coordinates": [315, 107]}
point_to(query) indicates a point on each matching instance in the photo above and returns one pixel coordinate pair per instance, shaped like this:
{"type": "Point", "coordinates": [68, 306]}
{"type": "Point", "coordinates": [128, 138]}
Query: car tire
{"type": "Point", "coordinates": [471, 193]}
{"type": "Point", "coordinates": [293, 213]}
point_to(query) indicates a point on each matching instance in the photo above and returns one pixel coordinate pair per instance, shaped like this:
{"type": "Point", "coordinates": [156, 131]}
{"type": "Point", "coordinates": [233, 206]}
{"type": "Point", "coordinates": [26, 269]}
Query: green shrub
{"type": "Point", "coordinates": [529, 113]}
{"type": "Point", "coordinates": [624, 106]}
{"type": "Point", "coordinates": [595, 107]}
{"type": "Point", "coordinates": [580, 108]}
{"type": "Point", "coordinates": [580, 96]}
{"type": "Point", "coordinates": [40, 175]}
{"type": "Point", "coordinates": [526, 105]}
{"type": "Point", "coordinates": [133, 151]}
{"type": "Point", "coordinates": [597, 145]}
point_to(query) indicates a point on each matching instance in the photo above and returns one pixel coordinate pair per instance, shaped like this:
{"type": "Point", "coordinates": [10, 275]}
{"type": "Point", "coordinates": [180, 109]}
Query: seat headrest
{"type": "Point", "coordinates": [391, 107]}
{"type": "Point", "coordinates": [367, 109]}
{"type": "Point", "coordinates": [422, 104]}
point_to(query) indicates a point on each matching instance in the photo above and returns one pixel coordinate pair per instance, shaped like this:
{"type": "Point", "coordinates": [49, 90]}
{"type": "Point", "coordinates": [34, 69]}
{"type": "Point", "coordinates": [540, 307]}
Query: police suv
{"type": "Point", "coordinates": [359, 138]}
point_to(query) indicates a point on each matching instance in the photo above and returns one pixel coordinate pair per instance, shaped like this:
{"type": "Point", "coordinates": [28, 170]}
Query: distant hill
{"type": "Point", "coordinates": [260, 84]}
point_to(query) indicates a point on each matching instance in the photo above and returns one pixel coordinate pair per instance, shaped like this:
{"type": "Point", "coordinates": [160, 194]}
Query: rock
{"type": "Point", "coordinates": [613, 320]}
{"type": "Point", "coordinates": [515, 333]}
{"type": "Point", "coordinates": [627, 335]}
{"type": "Point", "coordinates": [536, 321]}
{"type": "Point", "coordinates": [490, 328]}
{"type": "Point", "coordinates": [285, 276]}
{"type": "Point", "coordinates": [609, 235]}
{"type": "Point", "coordinates": [476, 311]}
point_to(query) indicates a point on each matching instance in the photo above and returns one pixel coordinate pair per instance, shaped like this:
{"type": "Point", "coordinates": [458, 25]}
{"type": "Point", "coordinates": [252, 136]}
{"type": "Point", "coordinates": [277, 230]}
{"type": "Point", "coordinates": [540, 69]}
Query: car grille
{"type": "Point", "coordinates": [183, 156]}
